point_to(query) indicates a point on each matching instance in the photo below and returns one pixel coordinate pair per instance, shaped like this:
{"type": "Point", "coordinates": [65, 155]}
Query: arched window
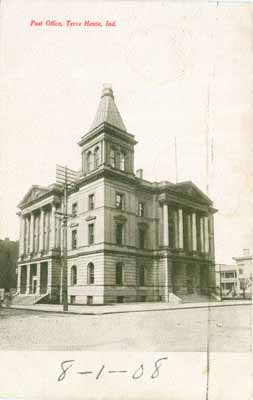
{"type": "Point", "coordinates": [73, 275]}
{"type": "Point", "coordinates": [122, 161]}
{"type": "Point", "coordinates": [90, 273]}
{"type": "Point", "coordinates": [89, 161]}
{"type": "Point", "coordinates": [113, 158]}
{"type": "Point", "coordinates": [96, 157]}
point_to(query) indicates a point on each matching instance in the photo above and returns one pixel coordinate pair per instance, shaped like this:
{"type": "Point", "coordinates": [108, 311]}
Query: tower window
{"type": "Point", "coordinates": [122, 161]}
{"type": "Point", "coordinates": [91, 201]}
{"type": "Point", "coordinates": [119, 201]}
{"type": "Point", "coordinates": [73, 275]}
{"type": "Point", "coordinates": [91, 233]}
{"type": "Point", "coordinates": [113, 158]}
{"type": "Point", "coordinates": [96, 157]}
{"type": "Point", "coordinates": [89, 161]}
{"type": "Point", "coordinates": [119, 233]}
{"type": "Point", "coordinates": [141, 209]}
{"type": "Point", "coordinates": [119, 274]}
{"type": "Point", "coordinates": [91, 276]}
{"type": "Point", "coordinates": [74, 239]}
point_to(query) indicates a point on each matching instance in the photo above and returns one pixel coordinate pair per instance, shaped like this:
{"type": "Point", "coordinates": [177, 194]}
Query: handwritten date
{"type": "Point", "coordinates": [137, 373]}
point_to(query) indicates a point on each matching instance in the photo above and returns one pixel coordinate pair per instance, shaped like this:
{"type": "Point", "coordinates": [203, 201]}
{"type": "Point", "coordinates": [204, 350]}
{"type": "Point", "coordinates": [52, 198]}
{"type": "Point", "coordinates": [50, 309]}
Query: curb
{"type": "Point", "coordinates": [187, 306]}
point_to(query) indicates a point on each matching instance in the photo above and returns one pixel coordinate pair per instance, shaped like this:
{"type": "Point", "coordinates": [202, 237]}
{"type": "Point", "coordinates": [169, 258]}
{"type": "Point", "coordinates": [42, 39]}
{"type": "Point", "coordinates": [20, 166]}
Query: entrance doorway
{"type": "Point", "coordinates": [190, 286]}
{"type": "Point", "coordinates": [190, 278]}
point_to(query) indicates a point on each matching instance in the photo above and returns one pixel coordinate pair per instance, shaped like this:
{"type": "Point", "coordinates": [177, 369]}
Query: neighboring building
{"type": "Point", "coordinates": [227, 280]}
{"type": "Point", "coordinates": [8, 263]}
{"type": "Point", "coordinates": [236, 280]}
{"type": "Point", "coordinates": [128, 239]}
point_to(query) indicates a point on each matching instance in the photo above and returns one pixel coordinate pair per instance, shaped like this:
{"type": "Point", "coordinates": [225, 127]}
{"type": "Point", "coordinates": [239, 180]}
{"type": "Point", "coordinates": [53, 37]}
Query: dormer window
{"type": "Point", "coordinates": [113, 158]}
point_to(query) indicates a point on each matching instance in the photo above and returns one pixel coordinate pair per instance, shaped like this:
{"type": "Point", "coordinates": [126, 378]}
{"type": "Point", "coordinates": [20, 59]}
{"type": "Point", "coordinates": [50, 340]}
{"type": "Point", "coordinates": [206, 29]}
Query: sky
{"type": "Point", "coordinates": [178, 70]}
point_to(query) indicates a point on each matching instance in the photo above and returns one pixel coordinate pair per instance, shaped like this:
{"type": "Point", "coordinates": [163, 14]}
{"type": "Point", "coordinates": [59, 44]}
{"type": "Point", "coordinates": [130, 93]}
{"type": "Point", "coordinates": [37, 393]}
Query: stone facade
{"type": "Point", "coordinates": [128, 239]}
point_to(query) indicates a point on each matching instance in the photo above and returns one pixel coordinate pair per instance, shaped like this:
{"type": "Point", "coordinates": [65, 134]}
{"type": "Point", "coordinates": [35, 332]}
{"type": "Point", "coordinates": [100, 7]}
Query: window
{"type": "Point", "coordinates": [89, 300]}
{"type": "Point", "coordinates": [122, 161]}
{"type": "Point", "coordinates": [113, 158]}
{"type": "Point", "coordinates": [91, 202]}
{"type": "Point", "coordinates": [119, 274]}
{"type": "Point", "coordinates": [230, 274]}
{"type": "Point", "coordinates": [141, 209]}
{"type": "Point", "coordinates": [96, 157]}
{"type": "Point", "coordinates": [72, 299]}
{"type": "Point", "coordinates": [119, 201]}
{"type": "Point", "coordinates": [73, 275]}
{"type": "Point", "coordinates": [74, 239]}
{"type": "Point", "coordinates": [74, 209]}
{"type": "Point", "coordinates": [142, 235]}
{"type": "Point", "coordinates": [89, 161]}
{"type": "Point", "coordinates": [143, 299]}
{"type": "Point", "coordinates": [91, 233]}
{"type": "Point", "coordinates": [120, 299]}
{"type": "Point", "coordinates": [119, 233]}
{"type": "Point", "coordinates": [240, 271]}
{"type": "Point", "coordinates": [90, 271]}
{"type": "Point", "coordinates": [142, 275]}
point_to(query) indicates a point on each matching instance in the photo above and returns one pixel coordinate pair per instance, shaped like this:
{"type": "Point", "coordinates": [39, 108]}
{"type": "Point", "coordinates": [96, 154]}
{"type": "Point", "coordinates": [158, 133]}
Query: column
{"type": "Point", "coordinates": [28, 279]}
{"type": "Point", "coordinates": [211, 233]}
{"type": "Point", "coordinates": [52, 233]}
{"type": "Point", "coordinates": [38, 278]}
{"type": "Point", "coordinates": [176, 228]}
{"type": "Point", "coordinates": [28, 220]}
{"type": "Point", "coordinates": [49, 276]}
{"type": "Point", "coordinates": [32, 233]}
{"type": "Point", "coordinates": [41, 242]}
{"type": "Point", "coordinates": [206, 235]}
{"type": "Point", "coordinates": [180, 229]}
{"type": "Point", "coordinates": [202, 238]}
{"type": "Point", "coordinates": [166, 280]}
{"type": "Point", "coordinates": [165, 225]}
{"type": "Point", "coordinates": [194, 232]}
{"type": "Point", "coordinates": [18, 278]}
{"type": "Point", "coordinates": [22, 236]}
{"type": "Point", "coordinates": [189, 232]}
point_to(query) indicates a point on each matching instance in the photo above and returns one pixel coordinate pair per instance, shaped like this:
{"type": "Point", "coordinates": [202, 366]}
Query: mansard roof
{"type": "Point", "coordinates": [107, 111]}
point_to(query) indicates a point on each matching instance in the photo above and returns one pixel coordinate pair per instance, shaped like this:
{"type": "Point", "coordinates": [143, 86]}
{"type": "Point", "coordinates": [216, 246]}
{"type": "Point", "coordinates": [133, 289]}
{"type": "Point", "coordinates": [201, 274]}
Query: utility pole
{"type": "Point", "coordinates": [67, 179]}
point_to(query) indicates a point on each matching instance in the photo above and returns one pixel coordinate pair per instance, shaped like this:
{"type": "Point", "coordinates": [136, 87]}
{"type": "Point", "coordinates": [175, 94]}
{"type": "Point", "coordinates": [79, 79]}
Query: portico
{"type": "Point", "coordinates": [187, 245]}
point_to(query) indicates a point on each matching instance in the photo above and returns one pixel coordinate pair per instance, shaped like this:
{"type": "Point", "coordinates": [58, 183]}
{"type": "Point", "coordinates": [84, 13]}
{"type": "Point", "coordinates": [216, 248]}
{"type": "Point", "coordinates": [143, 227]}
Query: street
{"type": "Point", "coordinates": [228, 329]}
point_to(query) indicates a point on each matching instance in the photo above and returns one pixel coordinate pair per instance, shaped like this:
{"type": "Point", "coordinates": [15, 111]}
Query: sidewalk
{"type": "Point", "coordinates": [125, 308]}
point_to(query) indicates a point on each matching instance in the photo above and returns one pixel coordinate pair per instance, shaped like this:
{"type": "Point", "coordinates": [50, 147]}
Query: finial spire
{"type": "Point", "coordinates": [107, 110]}
{"type": "Point", "coordinates": [107, 90]}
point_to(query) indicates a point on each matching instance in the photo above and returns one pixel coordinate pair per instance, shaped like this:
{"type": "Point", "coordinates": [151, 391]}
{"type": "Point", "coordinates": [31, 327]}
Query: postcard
{"type": "Point", "coordinates": [126, 230]}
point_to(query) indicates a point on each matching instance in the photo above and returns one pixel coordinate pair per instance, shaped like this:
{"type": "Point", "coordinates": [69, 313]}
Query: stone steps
{"type": "Point", "coordinates": [27, 299]}
{"type": "Point", "coordinates": [195, 298]}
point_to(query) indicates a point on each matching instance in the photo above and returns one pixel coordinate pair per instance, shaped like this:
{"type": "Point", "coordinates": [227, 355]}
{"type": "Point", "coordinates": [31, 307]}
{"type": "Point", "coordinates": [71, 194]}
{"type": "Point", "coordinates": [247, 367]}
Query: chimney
{"type": "Point", "coordinates": [246, 252]}
{"type": "Point", "coordinates": [139, 173]}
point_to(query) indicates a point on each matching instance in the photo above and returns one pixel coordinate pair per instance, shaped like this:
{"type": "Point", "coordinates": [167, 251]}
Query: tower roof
{"type": "Point", "coordinates": [107, 111]}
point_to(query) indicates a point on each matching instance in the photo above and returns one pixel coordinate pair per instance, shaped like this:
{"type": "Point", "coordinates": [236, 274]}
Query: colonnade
{"type": "Point", "coordinates": [39, 230]}
{"type": "Point", "coordinates": [199, 235]}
